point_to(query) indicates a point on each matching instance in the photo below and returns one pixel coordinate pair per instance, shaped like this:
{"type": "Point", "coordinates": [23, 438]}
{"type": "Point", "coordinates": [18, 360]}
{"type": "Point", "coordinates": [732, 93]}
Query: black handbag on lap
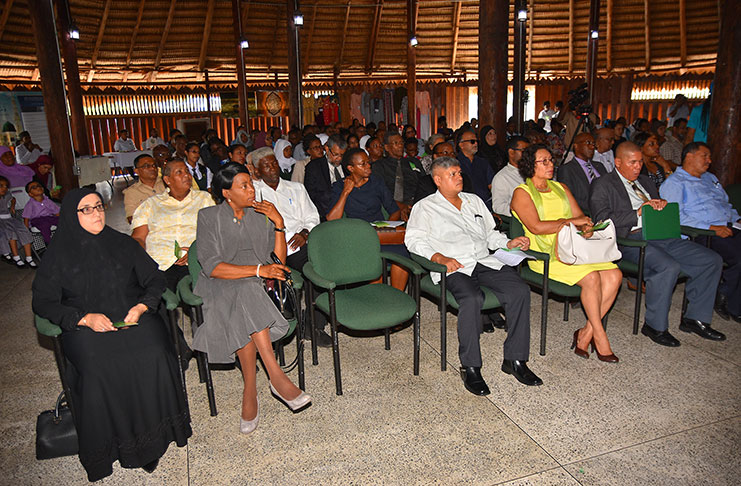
{"type": "Point", "coordinates": [56, 435]}
{"type": "Point", "coordinates": [281, 292]}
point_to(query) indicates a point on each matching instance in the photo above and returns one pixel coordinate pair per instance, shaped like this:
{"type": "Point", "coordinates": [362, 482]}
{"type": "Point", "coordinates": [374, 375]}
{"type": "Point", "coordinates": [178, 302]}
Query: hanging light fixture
{"type": "Point", "coordinates": [594, 34]}
{"type": "Point", "coordinates": [413, 40]}
{"type": "Point", "coordinates": [522, 15]}
{"type": "Point", "coordinates": [74, 32]}
{"type": "Point", "coordinates": [298, 18]}
{"type": "Point", "coordinates": [244, 43]}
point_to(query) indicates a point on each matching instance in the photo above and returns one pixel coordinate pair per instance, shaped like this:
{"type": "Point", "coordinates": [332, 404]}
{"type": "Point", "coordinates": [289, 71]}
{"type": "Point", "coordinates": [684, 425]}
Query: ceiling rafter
{"type": "Point", "coordinates": [683, 32]}
{"type": "Point", "coordinates": [374, 37]}
{"type": "Point", "coordinates": [530, 23]}
{"type": "Point", "coordinates": [279, 16]}
{"type": "Point", "coordinates": [608, 47]}
{"type": "Point", "coordinates": [245, 13]}
{"type": "Point", "coordinates": [101, 31]}
{"type": "Point", "coordinates": [647, 35]}
{"type": "Point", "coordinates": [138, 24]}
{"type": "Point", "coordinates": [456, 29]}
{"type": "Point", "coordinates": [338, 62]}
{"type": "Point", "coordinates": [206, 35]}
{"type": "Point", "coordinates": [6, 16]}
{"type": "Point", "coordinates": [307, 52]}
{"type": "Point", "coordinates": [571, 36]}
{"type": "Point", "coordinates": [165, 32]}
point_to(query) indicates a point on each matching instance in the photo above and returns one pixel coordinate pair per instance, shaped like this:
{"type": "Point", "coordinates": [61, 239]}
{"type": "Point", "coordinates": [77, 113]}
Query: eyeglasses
{"type": "Point", "coordinates": [87, 210]}
{"type": "Point", "coordinates": [588, 142]}
{"type": "Point", "coordinates": [545, 161]}
{"type": "Point", "coordinates": [473, 140]}
{"type": "Point", "coordinates": [336, 156]}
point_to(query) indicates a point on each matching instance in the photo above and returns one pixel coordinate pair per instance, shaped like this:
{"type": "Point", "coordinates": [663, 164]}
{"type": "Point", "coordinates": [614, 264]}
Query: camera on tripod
{"type": "Point", "coordinates": [579, 101]}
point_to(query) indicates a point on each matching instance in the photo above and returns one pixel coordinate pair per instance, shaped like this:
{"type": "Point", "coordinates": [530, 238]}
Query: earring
{"type": "Point", "coordinates": [229, 200]}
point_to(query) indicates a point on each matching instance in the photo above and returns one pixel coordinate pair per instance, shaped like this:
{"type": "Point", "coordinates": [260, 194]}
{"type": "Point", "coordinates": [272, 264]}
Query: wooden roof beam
{"type": "Point", "coordinates": [6, 16]}
{"type": "Point", "coordinates": [275, 36]}
{"type": "Point", "coordinates": [571, 36]}
{"type": "Point", "coordinates": [647, 34]}
{"type": "Point", "coordinates": [165, 32]}
{"type": "Point", "coordinates": [530, 23]}
{"type": "Point", "coordinates": [206, 35]}
{"type": "Point", "coordinates": [683, 32]}
{"type": "Point", "coordinates": [608, 47]}
{"type": "Point", "coordinates": [101, 31]}
{"type": "Point", "coordinates": [246, 13]}
{"type": "Point", "coordinates": [306, 53]}
{"type": "Point", "coordinates": [338, 62]}
{"type": "Point", "coordinates": [374, 37]}
{"type": "Point", "coordinates": [456, 29]}
{"type": "Point", "coordinates": [134, 33]}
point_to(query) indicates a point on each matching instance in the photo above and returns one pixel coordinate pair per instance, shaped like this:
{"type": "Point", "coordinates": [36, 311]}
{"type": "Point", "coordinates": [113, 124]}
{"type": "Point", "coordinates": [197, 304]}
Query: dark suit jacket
{"type": "Point", "coordinates": [609, 199]}
{"type": "Point", "coordinates": [385, 168]}
{"type": "Point", "coordinates": [318, 185]}
{"type": "Point", "coordinates": [575, 179]}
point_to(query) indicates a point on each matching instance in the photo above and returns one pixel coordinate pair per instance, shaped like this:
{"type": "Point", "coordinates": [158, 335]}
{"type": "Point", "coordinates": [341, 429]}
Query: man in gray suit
{"type": "Point", "coordinates": [579, 172]}
{"type": "Point", "coordinates": [621, 196]}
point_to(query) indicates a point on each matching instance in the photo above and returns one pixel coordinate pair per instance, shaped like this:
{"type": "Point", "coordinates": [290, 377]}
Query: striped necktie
{"type": "Point", "coordinates": [638, 192]}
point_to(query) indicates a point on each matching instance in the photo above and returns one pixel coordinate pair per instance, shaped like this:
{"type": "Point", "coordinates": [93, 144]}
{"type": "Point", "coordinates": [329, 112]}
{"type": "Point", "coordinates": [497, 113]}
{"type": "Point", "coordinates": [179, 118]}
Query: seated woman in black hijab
{"type": "Point", "coordinates": [126, 390]}
{"type": "Point", "coordinates": [235, 239]}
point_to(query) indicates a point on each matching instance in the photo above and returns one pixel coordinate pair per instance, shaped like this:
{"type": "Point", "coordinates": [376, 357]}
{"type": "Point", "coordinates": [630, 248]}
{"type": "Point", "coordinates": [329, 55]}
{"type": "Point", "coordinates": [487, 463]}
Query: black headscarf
{"type": "Point", "coordinates": [107, 273]}
{"type": "Point", "coordinates": [492, 153]}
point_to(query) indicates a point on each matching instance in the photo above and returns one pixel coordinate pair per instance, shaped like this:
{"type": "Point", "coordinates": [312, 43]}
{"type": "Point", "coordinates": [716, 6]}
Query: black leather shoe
{"type": "Point", "coordinates": [486, 325]}
{"type": "Point", "coordinates": [702, 329]}
{"type": "Point", "coordinates": [151, 466]}
{"type": "Point", "coordinates": [498, 320]}
{"type": "Point", "coordinates": [659, 337]}
{"type": "Point", "coordinates": [519, 370]}
{"type": "Point", "coordinates": [324, 340]}
{"type": "Point", "coordinates": [472, 380]}
{"type": "Point", "coordinates": [721, 307]}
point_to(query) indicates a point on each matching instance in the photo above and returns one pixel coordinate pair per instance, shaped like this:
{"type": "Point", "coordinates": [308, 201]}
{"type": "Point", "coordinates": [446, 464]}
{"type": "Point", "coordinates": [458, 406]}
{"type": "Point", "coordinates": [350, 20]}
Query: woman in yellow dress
{"type": "Point", "coordinates": [543, 207]}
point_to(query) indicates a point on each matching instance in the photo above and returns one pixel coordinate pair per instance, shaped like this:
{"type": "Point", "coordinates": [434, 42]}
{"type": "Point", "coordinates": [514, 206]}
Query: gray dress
{"type": "Point", "coordinates": [11, 228]}
{"type": "Point", "coordinates": [233, 309]}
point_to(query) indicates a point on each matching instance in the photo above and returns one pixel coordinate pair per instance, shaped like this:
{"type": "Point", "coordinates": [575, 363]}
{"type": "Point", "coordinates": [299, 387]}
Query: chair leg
{"type": "Point", "coordinates": [193, 326]}
{"type": "Point", "coordinates": [417, 338]}
{"type": "Point", "coordinates": [544, 309]}
{"type": "Point", "coordinates": [566, 310]}
{"type": "Point", "coordinates": [310, 304]}
{"type": "Point", "coordinates": [387, 339]}
{"type": "Point", "coordinates": [443, 325]}
{"type": "Point", "coordinates": [300, 345]}
{"type": "Point", "coordinates": [335, 343]}
{"type": "Point", "coordinates": [206, 370]}
{"type": "Point", "coordinates": [178, 351]}
{"type": "Point", "coordinates": [281, 353]}
{"type": "Point", "coordinates": [639, 290]}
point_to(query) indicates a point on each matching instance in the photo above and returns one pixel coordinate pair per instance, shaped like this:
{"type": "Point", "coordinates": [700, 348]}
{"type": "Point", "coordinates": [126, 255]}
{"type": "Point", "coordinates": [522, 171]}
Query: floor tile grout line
{"type": "Point", "coordinates": [699, 426]}
{"type": "Point", "coordinates": [536, 473]}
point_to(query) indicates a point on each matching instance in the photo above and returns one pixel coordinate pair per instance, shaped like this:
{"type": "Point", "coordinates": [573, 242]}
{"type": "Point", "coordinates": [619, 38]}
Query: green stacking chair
{"type": "Point", "coordinates": [195, 303]}
{"type": "Point", "coordinates": [543, 282]}
{"type": "Point", "coordinates": [344, 257]}
{"type": "Point", "coordinates": [734, 196]}
{"type": "Point", "coordinates": [445, 298]}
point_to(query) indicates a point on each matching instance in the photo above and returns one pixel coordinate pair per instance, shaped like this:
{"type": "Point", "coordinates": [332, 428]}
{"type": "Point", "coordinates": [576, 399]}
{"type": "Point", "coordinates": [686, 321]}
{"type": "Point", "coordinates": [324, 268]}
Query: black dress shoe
{"type": "Point", "coordinates": [473, 381]}
{"type": "Point", "coordinates": [519, 370]}
{"type": "Point", "coordinates": [486, 325]}
{"type": "Point", "coordinates": [498, 320]}
{"type": "Point", "coordinates": [324, 340]}
{"type": "Point", "coordinates": [721, 307]}
{"type": "Point", "coordinates": [659, 337]}
{"type": "Point", "coordinates": [151, 466]}
{"type": "Point", "coordinates": [702, 329]}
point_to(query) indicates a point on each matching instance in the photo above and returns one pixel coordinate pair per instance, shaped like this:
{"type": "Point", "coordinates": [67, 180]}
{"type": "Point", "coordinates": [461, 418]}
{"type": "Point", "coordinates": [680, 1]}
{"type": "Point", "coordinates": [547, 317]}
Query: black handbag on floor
{"type": "Point", "coordinates": [56, 435]}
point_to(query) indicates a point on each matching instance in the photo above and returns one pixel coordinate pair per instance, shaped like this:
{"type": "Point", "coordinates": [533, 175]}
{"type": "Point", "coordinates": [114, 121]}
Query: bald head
{"type": "Point", "coordinates": [603, 139]}
{"type": "Point", "coordinates": [629, 160]}
{"type": "Point", "coordinates": [584, 146]}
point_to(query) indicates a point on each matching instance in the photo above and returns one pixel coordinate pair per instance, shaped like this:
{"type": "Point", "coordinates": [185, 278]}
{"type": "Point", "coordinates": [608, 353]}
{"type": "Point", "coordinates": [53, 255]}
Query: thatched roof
{"type": "Point", "coordinates": [171, 40]}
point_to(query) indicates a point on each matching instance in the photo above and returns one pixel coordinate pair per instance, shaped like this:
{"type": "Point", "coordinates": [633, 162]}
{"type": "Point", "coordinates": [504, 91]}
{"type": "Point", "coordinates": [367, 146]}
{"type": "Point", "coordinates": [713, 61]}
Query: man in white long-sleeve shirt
{"type": "Point", "coordinates": [455, 229]}
{"type": "Point", "coordinates": [124, 143]}
{"type": "Point", "coordinates": [26, 152]}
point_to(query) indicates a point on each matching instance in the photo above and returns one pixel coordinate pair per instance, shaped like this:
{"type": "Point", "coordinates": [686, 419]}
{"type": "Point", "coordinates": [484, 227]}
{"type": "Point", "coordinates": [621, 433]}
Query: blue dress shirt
{"type": "Point", "coordinates": [702, 201]}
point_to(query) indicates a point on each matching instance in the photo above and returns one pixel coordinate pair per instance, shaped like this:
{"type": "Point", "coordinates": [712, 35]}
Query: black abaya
{"type": "Point", "coordinates": [126, 390]}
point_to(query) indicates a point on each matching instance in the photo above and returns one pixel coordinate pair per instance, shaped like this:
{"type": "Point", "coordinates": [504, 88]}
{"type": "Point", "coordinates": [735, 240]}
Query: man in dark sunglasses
{"type": "Point", "coordinates": [474, 166]}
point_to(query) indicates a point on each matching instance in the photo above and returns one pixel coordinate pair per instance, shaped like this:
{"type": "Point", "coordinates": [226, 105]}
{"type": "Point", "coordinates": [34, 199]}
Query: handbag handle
{"type": "Point", "coordinates": [60, 399]}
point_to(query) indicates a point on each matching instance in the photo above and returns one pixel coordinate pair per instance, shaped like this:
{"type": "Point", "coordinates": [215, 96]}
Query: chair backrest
{"type": "Point", "coordinates": [661, 225]}
{"type": "Point", "coordinates": [515, 228]}
{"type": "Point", "coordinates": [194, 266]}
{"type": "Point", "coordinates": [21, 197]}
{"type": "Point", "coordinates": [734, 196]}
{"type": "Point", "coordinates": [345, 251]}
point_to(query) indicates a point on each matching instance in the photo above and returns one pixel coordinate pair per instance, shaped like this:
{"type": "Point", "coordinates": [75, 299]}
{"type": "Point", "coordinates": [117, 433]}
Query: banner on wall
{"type": "Point", "coordinates": [272, 103]}
{"type": "Point", "coordinates": [230, 104]}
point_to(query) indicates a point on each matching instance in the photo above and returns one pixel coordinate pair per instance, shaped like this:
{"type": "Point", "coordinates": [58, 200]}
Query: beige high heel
{"type": "Point", "coordinates": [249, 426]}
{"type": "Point", "coordinates": [296, 404]}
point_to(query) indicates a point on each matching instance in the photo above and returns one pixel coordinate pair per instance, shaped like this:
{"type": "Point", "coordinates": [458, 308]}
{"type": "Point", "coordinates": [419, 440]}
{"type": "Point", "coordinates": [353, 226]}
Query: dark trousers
{"type": "Point", "coordinates": [730, 250]}
{"type": "Point", "coordinates": [664, 260]}
{"type": "Point", "coordinates": [297, 262]}
{"type": "Point", "coordinates": [514, 295]}
{"type": "Point", "coordinates": [174, 274]}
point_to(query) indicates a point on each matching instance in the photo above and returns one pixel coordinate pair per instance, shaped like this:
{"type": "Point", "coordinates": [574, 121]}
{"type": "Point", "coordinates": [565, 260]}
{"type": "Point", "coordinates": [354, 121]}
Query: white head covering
{"type": "Point", "coordinates": [238, 138]}
{"type": "Point", "coordinates": [284, 163]}
{"type": "Point", "coordinates": [363, 140]}
{"type": "Point", "coordinates": [323, 137]}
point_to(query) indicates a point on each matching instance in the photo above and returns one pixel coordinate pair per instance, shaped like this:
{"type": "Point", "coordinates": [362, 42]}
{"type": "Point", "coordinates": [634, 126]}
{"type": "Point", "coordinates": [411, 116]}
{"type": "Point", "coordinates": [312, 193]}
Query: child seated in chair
{"type": "Point", "coordinates": [40, 211]}
{"type": "Point", "coordinates": [12, 231]}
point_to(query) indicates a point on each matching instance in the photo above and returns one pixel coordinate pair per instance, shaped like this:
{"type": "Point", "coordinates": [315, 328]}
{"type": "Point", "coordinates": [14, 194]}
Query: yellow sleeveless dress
{"type": "Point", "coordinates": [553, 209]}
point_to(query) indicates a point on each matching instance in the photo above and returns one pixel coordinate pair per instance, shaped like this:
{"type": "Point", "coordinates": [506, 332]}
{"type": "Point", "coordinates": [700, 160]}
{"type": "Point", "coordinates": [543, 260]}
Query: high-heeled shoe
{"type": "Point", "coordinates": [296, 404]}
{"type": "Point", "coordinates": [577, 350]}
{"type": "Point", "coordinates": [249, 426]}
{"type": "Point", "coordinates": [607, 358]}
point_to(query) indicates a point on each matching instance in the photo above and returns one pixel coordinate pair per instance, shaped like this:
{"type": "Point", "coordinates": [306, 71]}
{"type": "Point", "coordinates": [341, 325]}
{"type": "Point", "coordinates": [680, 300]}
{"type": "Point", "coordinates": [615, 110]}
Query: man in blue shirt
{"type": "Point", "coordinates": [704, 204]}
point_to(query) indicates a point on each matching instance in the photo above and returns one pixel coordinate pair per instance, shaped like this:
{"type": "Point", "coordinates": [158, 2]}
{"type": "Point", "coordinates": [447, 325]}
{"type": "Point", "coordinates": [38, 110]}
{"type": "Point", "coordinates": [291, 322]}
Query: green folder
{"type": "Point", "coordinates": [661, 225]}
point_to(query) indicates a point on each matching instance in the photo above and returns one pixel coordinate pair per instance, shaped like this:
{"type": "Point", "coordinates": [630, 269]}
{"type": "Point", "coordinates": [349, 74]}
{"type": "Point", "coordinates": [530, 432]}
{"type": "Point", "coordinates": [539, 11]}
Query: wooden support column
{"type": "Point", "coordinates": [647, 34]}
{"type": "Point", "coordinates": [74, 91]}
{"type": "Point", "coordinates": [411, 62]}
{"type": "Point", "coordinates": [456, 29]}
{"type": "Point", "coordinates": [724, 133]}
{"type": "Point", "coordinates": [518, 77]}
{"type": "Point", "coordinates": [493, 64]}
{"type": "Point", "coordinates": [295, 100]}
{"type": "Point", "coordinates": [373, 38]}
{"type": "Point", "coordinates": [592, 44]}
{"type": "Point", "coordinates": [52, 86]}
{"type": "Point", "coordinates": [609, 36]}
{"type": "Point", "coordinates": [241, 82]}
{"type": "Point", "coordinates": [206, 36]}
{"type": "Point", "coordinates": [571, 36]}
{"type": "Point", "coordinates": [683, 32]}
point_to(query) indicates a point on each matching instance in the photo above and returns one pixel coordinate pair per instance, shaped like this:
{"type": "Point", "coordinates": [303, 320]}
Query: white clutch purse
{"type": "Point", "coordinates": [573, 249]}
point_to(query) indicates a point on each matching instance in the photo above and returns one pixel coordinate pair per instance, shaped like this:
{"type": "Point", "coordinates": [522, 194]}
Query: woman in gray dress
{"type": "Point", "coordinates": [235, 239]}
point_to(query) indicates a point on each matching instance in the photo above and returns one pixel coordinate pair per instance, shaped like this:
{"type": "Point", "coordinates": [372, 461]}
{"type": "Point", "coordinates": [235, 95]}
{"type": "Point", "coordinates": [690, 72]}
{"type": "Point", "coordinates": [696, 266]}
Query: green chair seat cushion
{"type": "Point", "coordinates": [490, 300]}
{"type": "Point", "coordinates": [46, 328]}
{"type": "Point", "coordinates": [369, 307]}
{"type": "Point", "coordinates": [185, 291]}
{"type": "Point", "coordinates": [554, 287]}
